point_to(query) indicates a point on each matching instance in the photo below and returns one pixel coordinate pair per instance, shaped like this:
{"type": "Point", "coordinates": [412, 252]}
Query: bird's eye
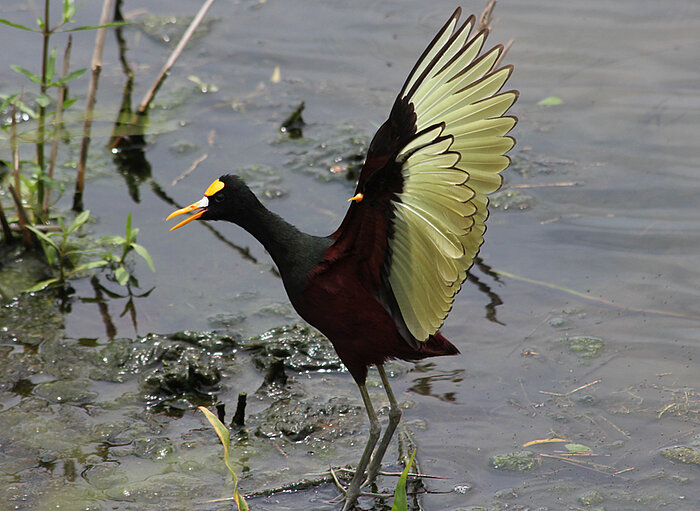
{"type": "Point", "coordinates": [219, 197]}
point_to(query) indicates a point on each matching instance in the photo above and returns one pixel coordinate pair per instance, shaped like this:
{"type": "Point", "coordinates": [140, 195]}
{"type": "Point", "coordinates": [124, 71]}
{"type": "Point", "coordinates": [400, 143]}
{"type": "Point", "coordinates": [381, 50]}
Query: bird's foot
{"type": "Point", "coordinates": [351, 493]}
{"type": "Point", "coordinates": [337, 482]}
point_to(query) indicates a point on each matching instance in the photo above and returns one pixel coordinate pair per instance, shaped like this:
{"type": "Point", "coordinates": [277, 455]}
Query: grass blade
{"type": "Point", "coordinates": [225, 439]}
{"type": "Point", "coordinates": [400, 501]}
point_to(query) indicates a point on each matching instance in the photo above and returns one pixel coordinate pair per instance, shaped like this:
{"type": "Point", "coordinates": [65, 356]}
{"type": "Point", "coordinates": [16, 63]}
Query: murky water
{"type": "Point", "coordinates": [608, 180]}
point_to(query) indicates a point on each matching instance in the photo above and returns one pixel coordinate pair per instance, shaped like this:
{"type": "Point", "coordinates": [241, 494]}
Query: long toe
{"type": "Point", "coordinates": [351, 498]}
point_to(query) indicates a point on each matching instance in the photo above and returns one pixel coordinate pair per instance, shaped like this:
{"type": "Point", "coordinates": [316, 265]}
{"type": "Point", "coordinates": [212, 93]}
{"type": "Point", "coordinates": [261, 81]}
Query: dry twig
{"type": "Point", "coordinates": [107, 8]}
{"type": "Point", "coordinates": [143, 107]}
{"type": "Point", "coordinates": [190, 169]}
{"type": "Point", "coordinates": [559, 394]}
{"type": "Point", "coordinates": [28, 236]}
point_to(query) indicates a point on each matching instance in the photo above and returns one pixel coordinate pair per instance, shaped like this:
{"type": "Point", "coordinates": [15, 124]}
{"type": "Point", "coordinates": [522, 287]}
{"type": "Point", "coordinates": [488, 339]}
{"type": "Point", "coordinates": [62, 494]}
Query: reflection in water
{"type": "Point", "coordinates": [484, 288]}
{"type": "Point", "coordinates": [102, 297]}
{"type": "Point", "coordinates": [127, 143]}
{"type": "Point", "coordinates": [423, 385]}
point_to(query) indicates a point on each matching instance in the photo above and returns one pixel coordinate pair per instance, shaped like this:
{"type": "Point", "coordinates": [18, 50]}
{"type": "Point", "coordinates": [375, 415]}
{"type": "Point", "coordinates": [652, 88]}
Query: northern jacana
{"type": "Point", "coordinates": [381, 286]}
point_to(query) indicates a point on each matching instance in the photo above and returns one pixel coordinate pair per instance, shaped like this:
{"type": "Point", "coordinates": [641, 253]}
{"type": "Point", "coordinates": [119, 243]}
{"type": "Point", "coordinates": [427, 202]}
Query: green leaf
{"type": "Point", "coordinates": [51, 66]}
{"type": "Point", "coordinates": [7, 101]}
{"type": "Point", "coordinates": [90, 266]}
{"type": "Point", "coordinates": [41, 285]}
{"type": "Point", "coordinates": [112, 240]}
{"type": "Point", "coordinates": [14, 100]}
{"type": "Point", "coordinates": [40, 23]}
{"type": "Point", "coordinates": [43, 237]}
{"type": "Point", "coordinates": [141, 250]}
{"type": "Point", "coordinates": [43, 100]}
{"type": "Point", "coordinates": [95, 27]}
{"type": "Point", "coordinates": [26, 72]}
{"type": "Point", "coordinates": [128, 227]}
{"type": "Point", "coordinates": [550, 101]}
{"type": "Point", "coordinates": [69, 77]}
{"type": "Point", "coordinates": [30, 183]}
{"type": "Point", "coordinates": [51, 254]}
{"type": "Point", "coordinates": [17, 25]}
{"type": "Point", "coordinates": [225, 439]}
{"type": "Point", "coordinates": [51, 249]}
{"type": "Point", "coordinates": [576, 448]}
{"type": "Point", "coordinates": [68, 10]}
{"type": "Point", "coordinates": [400, 501]}
{"type": "Point", "coordinates": [67, 103]}
{"type": "Point", "coordinates": [121, 275]}
{"type": "Point", "coordinates": [75, 250]}
{"type": "Point", "coordinates": [110, 257]}
{"type": "Point", "coordinates": [79, 220]}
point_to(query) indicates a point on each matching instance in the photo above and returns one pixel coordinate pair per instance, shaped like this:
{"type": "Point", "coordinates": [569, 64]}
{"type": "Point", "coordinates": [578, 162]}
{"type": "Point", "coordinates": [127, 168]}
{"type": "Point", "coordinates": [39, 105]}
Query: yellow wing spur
{"type": "Point", "coordinates": [448, 166]}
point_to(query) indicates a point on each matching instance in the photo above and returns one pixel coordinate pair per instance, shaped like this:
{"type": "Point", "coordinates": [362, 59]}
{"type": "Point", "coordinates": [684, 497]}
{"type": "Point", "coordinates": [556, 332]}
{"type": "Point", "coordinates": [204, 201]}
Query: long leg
{"type": "Point", "coordinates": [374, 430]}
{"type": "Point", "coordinates": [394, 418]}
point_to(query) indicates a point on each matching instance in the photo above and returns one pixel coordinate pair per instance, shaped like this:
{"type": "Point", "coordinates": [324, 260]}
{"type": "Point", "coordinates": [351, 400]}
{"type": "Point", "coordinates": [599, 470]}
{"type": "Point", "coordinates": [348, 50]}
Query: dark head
{"type": "Point", "coordinates": [227, 198]}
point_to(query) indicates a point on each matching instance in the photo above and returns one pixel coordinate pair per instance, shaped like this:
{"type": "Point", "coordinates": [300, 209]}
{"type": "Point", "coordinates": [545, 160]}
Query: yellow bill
{"type": "Point", "coordinates": [200, 205]}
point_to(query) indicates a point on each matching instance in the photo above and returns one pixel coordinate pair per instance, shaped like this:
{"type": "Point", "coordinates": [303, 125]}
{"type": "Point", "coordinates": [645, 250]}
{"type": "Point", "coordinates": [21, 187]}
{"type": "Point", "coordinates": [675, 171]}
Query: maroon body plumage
{"type": "Point", "coordinates": [361, 338]}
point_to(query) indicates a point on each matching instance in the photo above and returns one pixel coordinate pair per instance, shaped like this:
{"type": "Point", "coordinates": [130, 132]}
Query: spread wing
{"type": "Point", "coordinates": [427, 174]}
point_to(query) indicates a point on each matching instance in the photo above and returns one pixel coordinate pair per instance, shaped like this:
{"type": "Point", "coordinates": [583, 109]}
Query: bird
{"type": "Point", "coordinates": [381, 286]}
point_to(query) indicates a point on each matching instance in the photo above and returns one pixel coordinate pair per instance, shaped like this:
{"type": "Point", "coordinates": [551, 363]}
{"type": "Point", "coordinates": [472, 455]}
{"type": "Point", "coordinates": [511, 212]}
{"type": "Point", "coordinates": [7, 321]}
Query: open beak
{"type": "Point", "coordinates": [199, 205]}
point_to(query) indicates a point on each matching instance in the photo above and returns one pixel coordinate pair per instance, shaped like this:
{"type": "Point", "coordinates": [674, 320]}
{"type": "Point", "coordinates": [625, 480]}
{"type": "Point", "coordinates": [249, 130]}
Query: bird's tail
{"type": "Point", "coordinates": [436, 346]}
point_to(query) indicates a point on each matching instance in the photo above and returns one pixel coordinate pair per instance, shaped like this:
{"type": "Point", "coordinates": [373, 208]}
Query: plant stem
{"type": "Point", "coordinates": [46, 33]}
{"type": "Point", "coordinates": [7, 232]}
{"type": "Point", "coordinates": [90, 107]}
{"type": "Point", "coordinates": [59, 119]}
{"type": "Point", "coordinates": [14, 147]}
{"type": "Point", "coordinates": [15, 191]}
{"type": "Point", "coordinates": [23, 220]}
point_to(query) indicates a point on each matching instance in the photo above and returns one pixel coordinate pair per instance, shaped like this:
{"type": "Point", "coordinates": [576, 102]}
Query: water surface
{"type": "Point", "coordinates": [610, 181]}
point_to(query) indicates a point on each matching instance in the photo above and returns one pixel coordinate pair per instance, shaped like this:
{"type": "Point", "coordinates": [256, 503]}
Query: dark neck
{"type": "Point", "coordinates": [295, 253]}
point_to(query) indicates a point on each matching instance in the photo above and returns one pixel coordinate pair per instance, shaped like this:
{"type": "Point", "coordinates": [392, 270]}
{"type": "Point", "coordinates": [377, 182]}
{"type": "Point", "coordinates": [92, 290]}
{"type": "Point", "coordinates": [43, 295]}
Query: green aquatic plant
{"type": "Point", "coordinates": [400, 500]}
{"type": "Point", "coordinates": [225, 438]}
{"type": "Point", "coordinates": [46, 110]}
{"type": "Point", "coordinates": [63, 252]}
{"type": "Point", "coordinates": [127, 243]}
